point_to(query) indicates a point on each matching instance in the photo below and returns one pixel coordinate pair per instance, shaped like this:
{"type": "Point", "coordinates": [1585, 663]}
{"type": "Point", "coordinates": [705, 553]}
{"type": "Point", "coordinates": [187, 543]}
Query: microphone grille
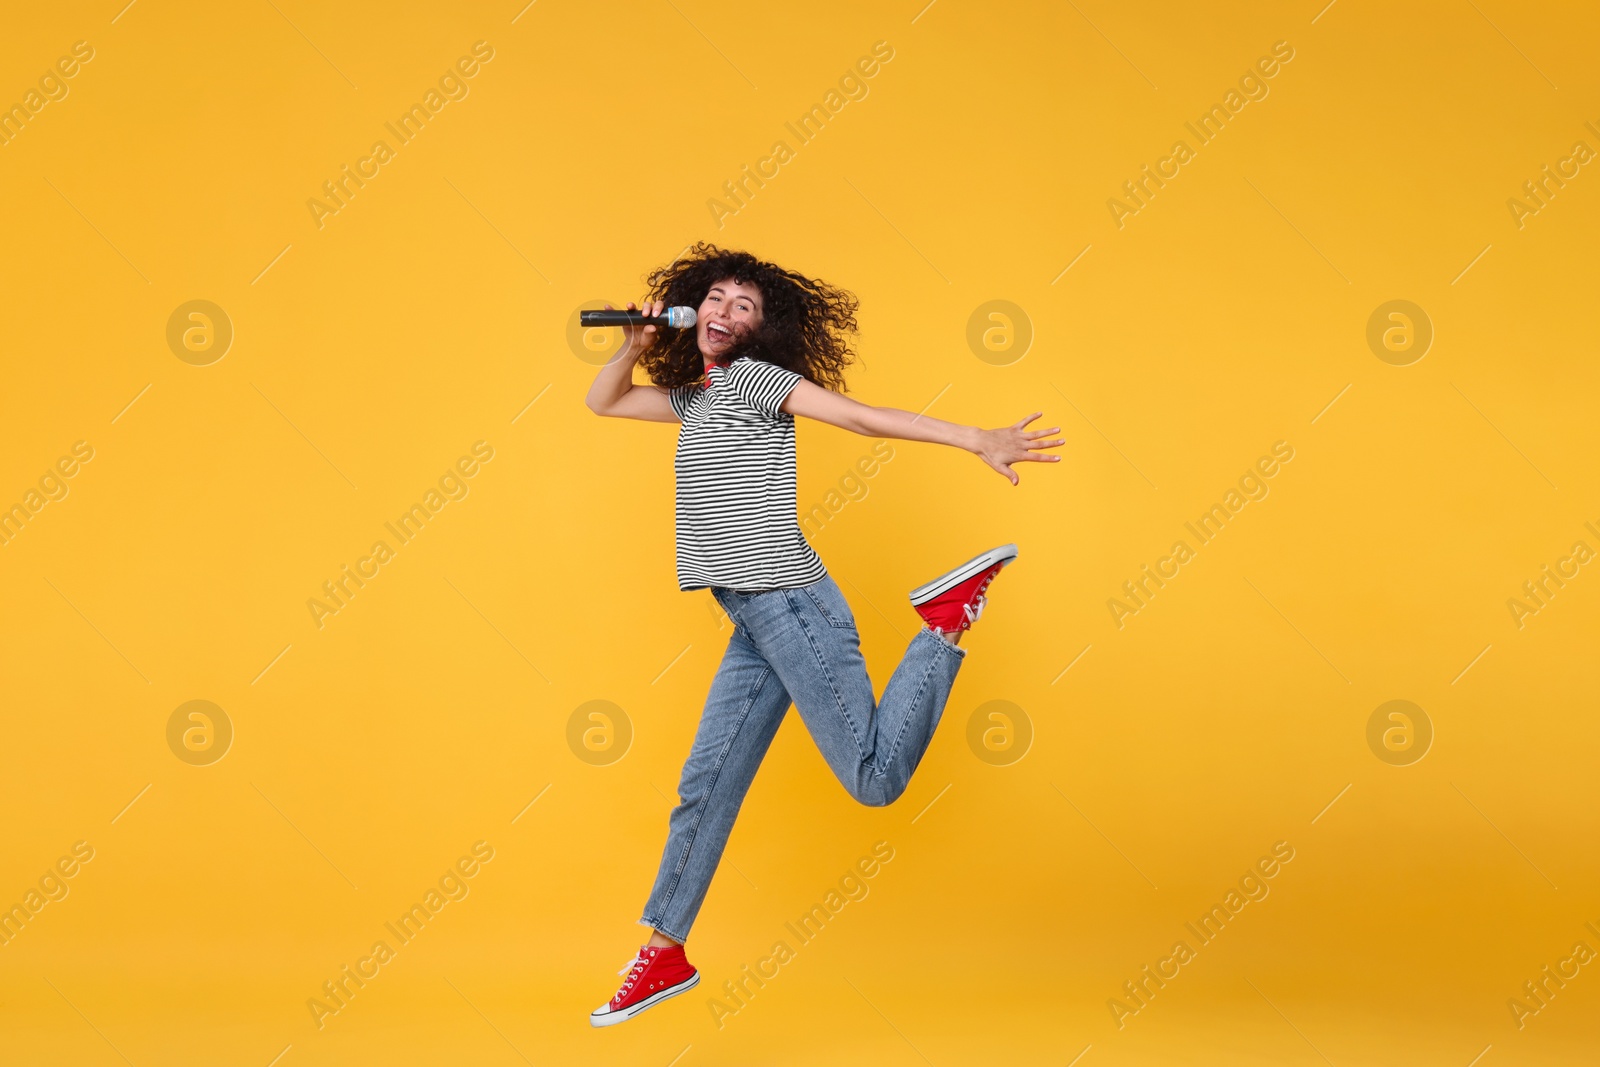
{"type": "Point", "coordinates": [681, 317]}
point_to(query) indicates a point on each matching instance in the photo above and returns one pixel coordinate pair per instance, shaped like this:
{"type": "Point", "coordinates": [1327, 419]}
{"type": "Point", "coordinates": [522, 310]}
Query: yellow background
{"type": "Point", "coordinates": [432, 309]}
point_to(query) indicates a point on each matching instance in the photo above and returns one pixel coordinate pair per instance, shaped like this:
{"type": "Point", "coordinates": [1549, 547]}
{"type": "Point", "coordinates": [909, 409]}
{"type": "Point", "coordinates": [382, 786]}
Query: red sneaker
{"type": "Point", "coordinates": [655, 974]}
{"type": "Point", "coordinates": [953, 601]}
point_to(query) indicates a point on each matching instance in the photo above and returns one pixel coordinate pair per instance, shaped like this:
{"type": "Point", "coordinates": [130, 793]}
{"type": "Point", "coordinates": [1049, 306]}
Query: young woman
{"type": "Point", "coordinates": [770, 344]}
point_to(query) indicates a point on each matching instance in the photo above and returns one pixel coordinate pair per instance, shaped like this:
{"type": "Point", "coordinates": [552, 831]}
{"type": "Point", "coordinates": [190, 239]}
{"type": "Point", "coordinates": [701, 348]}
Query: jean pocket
{"type": "Point", "coordinates": [830, 604]}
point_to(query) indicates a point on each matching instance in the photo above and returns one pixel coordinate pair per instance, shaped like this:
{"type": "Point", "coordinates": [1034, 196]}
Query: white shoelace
{"type": "Point", "coordinates": [973, 613]}
{"type": "Point", "coordinates": [633, 968]}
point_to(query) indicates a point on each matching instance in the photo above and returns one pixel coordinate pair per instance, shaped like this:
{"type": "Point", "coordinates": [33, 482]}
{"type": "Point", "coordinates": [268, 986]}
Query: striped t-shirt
{"type": "Point", "coordinates": [736, 518]}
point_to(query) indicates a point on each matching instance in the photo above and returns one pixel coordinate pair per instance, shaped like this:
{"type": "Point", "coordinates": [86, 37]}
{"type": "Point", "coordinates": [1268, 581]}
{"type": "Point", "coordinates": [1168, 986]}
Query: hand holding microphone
{"type": "Point", "coordinates": [640, 326]}
{"type": "Point", "coordinates": [649, 315]}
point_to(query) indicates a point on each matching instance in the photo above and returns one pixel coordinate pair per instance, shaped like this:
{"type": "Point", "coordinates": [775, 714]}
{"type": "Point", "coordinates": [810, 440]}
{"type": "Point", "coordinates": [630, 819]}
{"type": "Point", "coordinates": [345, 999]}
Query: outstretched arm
{"type": "Point", "coordinates": [998, 448]}
{"type": "Point", "coordinates": [613, 392]}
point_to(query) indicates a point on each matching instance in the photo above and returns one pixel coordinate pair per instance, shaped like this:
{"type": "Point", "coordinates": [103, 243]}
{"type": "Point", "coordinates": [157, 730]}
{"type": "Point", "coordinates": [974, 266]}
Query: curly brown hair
{"type": "Point", "coordinates": [806, 324]}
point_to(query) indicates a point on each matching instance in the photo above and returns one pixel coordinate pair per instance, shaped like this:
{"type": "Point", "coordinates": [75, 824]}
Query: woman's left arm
{"type": "Point", "coordinates": [998, 448]}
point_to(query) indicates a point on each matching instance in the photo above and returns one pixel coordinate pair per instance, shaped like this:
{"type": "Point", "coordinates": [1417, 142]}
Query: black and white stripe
{"type": "Point", "coordinates": [736, 516]}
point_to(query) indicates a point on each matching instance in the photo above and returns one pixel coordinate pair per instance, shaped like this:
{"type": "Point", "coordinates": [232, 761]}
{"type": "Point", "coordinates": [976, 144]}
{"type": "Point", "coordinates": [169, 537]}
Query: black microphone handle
{"type": "Point", "coordinates": [620, 318]}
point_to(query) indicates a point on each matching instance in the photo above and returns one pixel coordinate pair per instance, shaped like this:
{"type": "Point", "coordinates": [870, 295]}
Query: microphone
{"type": "Point", "coordinates": [677, 318]}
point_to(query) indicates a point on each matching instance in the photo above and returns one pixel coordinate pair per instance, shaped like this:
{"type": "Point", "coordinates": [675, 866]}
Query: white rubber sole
{"type": "Point", "coordinates": [977, 565]}
{"type": "Point", "coordinates": [601, 1016]}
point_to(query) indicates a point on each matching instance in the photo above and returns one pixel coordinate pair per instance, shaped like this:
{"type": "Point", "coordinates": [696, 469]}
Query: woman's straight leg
{"type": "Point", "coordinates": [808, 636]}
{"type": "Point", "coordinates": [746, 705]}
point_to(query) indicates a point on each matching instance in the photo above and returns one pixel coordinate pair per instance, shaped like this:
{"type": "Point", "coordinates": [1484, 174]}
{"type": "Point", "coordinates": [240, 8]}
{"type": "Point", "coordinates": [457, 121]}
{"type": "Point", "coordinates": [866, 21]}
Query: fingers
{"type": "Point", "coordinates": [1022, 445]}
{"type": "Point", "coordinates": [1003, 468]}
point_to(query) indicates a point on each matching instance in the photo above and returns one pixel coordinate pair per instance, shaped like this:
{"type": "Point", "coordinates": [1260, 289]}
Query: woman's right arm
{"type": "Point", "coordinates": [613, 392]}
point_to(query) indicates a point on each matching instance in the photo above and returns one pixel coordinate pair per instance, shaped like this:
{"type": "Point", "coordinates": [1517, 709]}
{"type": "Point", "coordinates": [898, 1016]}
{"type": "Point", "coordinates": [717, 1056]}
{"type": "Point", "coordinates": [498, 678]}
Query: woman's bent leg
{"type": "Point", "coordinates": [809, 637]}
{"type": "Point", "coordinates": [742, 713]}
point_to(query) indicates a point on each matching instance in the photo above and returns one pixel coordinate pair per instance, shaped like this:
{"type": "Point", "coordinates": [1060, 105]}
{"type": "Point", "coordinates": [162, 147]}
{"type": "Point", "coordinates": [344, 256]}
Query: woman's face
{"type": "Point", "coordinates": [729, 308]}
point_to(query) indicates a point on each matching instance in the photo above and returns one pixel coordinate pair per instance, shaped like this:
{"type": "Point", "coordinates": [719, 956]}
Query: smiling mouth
{"type": "Point", "coordinates": [717, 335]}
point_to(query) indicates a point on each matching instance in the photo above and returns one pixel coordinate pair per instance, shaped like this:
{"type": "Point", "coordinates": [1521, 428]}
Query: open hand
{"type": "Point", "coordinates": [1012, 444]}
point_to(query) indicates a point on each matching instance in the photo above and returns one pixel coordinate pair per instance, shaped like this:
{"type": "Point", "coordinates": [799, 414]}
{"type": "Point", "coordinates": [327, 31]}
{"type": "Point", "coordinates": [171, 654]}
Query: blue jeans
{"type": "Point", "coordinates": [795, 644]}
